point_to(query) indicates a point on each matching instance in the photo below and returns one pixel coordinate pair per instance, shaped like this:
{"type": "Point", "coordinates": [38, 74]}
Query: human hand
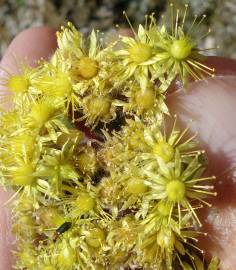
{"type": "Point", "coordinates": [211, 104]}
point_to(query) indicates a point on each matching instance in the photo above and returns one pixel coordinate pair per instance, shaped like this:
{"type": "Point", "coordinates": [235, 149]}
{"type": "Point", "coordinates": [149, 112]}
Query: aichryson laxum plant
{"type": "Point", "coordinates": [100, 180]}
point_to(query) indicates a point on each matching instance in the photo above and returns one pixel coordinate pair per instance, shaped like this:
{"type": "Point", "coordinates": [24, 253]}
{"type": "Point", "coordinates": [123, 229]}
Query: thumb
{"type": "Point", "coordinates": [211, 104]}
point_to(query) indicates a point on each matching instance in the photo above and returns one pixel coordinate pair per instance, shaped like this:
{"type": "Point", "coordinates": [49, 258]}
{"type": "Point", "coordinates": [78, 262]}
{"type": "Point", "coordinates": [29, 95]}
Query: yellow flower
{"type": "Point", "coordinates": [97, 108]}
{"type": "Point", "coordinates": [56, 84]}
{"type": "Point", "coordinates": [88, 66]}
{"type": "Point", "coordinates": [122, 191]}
{"type": "Point", "coordinates": [56, 169]}
{"type": "Point", "coordinates": [161, 239]}
{"type": "Point", "coordinates": [178, 53]}
{"type": "Point", "coordinates": [42, 112]}
{"type": "Point", "coordinates": [53, 82]}
{"type": "Point", "coordinates": [180, 186]}
{"type": "Point", "coordinates": [26, 256]}
{"type": "Point", "coordinates": [83, 201]}
{"type": "Point", "coordinates": [69, 40]}
{"type": "Point", "coordinates": [137, 58]}
{"type": "Point", "coordinates": [19, 86]}
{"type": "Point", "coordinates": [86, 69]}
{"type": "Point", "coordinates": [163, 145]}
{"type": "Point", "coordinates": [86, 160]}
{"type": "Point", "coordinates": [148, 104]}
{"type": "Point", "coordinates": [20, 83]}
{"type": "Point", "coordinates": [47, 118]}
{"type": "Point", "coordinates": [143, 143]}
{"type": "Point", "coordinates": [122, 238]}
{"type": "Point", "coordinates": [118, 149]}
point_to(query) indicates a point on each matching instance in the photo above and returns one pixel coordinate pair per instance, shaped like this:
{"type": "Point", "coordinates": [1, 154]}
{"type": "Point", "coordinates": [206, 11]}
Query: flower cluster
{"type": "Point", "coordinates": [100, 180]}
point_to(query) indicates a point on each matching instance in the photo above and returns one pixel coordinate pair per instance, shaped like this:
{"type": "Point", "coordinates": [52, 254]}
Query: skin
{"type": "Point", "coordinates": [211, 104]}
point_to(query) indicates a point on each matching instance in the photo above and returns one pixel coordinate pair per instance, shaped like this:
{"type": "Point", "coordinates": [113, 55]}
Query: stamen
{"type": "Point", "coordinates": [152, 21]}
{"type": "Point", "coordinates": [190, 28]}
{"type": "Point", "coordinates": [204, 66]}
{"type": "Point", "coordinates": [193, 212]}
{"type": "Point", "coordinates": [198, 67]}
{"type": "Point", "coordinates": [146, 22]}
{"type": "Point", "coordinates": [181, 135]}
{"type": "Point", "coordinates": [179, 214]}
{"type": "Point", "coordinates": [201, 20]}
{"type": "Point", "coordinates": [204, 187]}
{"type": "Point", "coordinates": [172, 18]}
{"type": "Point", "coordinates": [200, 250]}
{"type": "Point", "coordinates": [191, 72]}
{"type": "Point", "coordinates": [176, 23]}
{"type": "Point", "coordinates": [190, 139]}
{"type": "Point", "coordinates": [163, 20]}
{"type": "Point", "coordinates": [203, 36]}
{"type": "Point", "coordinates": [202, 191]}
{"type": "Point", "coordinates": [13, 196]}
{"type": "Point", "coordinates": [184, 17]}
{"type": "Point", "coordinates": [130, 24]}
{"type": "Point", "coordinates": [202, 201]}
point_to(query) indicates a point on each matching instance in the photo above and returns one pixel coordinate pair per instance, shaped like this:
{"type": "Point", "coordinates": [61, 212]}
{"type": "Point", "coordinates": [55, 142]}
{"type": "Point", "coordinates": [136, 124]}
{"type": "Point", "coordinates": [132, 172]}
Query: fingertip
{"type": "Point", "coordinates": [30, 45]}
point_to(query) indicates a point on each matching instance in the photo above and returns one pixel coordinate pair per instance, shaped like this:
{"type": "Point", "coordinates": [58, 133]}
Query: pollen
{"type": "Point", "coordinates": [181, 49]}
{"type": "Point", "coordinates": [87, 68]}
{"type": "Point", "coordinates": [140, 52]}
{"type": "Point", "coordinates": [175, 190]}
{"type": "Point", "coordinates": [18, 84]}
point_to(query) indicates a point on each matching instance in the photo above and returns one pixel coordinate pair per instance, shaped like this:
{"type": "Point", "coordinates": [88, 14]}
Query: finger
{"type": "Point", "coordinates": [30, 46]}
{"type": "Point", "coordinates": [211, 104]}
